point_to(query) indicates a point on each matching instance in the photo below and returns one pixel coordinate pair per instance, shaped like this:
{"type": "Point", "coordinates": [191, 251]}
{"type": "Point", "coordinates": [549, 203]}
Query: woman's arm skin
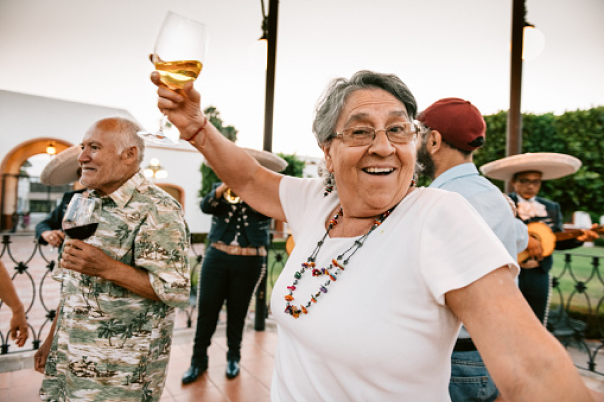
{"type": "Point", "coordinates": [526, 362]}
{"type": "Point", "coordinates": [258, 186]}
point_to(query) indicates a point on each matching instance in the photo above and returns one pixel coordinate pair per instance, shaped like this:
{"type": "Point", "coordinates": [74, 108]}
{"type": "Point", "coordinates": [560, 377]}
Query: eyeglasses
{"type": "Point", "coordinates": [399, 133]}
{"type": "Point", "coordinates": [526, 182]}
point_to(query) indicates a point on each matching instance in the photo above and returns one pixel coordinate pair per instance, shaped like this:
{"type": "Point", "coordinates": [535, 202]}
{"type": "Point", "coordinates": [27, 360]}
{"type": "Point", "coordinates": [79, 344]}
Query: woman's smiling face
{"type": "Point", "coordinates": [372, 178]}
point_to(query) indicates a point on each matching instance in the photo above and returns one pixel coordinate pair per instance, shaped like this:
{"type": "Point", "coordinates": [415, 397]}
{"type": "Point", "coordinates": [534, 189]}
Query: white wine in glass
{"type": "Point", "coordinates": [178, 57]}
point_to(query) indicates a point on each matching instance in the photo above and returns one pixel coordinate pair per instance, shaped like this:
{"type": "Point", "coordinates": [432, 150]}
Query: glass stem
{"type": "Point", "coordinates": [162, 124]}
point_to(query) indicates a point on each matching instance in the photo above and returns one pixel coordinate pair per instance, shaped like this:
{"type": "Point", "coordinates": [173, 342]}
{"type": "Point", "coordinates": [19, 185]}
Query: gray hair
{"type": "Point", "coordinates": [331, 104]}
{"type": "Point", "coordinates": [334, 98]}
{"type": "Point", "coordinates": [126, 134]}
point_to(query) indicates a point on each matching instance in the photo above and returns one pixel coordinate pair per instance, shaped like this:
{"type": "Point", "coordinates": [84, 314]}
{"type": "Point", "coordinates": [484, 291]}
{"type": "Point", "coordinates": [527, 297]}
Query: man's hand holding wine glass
{"type": "Point", "coordinates": [86, 259]}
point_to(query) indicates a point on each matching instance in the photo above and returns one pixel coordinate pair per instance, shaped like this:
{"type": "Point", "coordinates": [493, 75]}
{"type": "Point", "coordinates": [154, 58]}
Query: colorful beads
{"type": "Point", "coordinates": [335, 263]}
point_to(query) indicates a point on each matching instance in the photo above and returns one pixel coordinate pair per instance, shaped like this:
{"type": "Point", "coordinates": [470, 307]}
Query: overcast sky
{"type": "Point", "coordinates": [96, 51]}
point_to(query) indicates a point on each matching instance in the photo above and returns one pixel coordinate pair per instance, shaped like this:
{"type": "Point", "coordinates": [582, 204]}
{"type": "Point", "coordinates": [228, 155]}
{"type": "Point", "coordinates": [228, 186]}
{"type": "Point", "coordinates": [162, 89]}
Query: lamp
{"type": "Point", "coordinates": [154, 170]}
{"type": "Point", "coordinates": [51, 149]}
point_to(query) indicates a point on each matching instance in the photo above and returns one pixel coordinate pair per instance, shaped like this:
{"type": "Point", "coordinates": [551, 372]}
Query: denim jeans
{"type": "Point", "coordinates": [470, 380]}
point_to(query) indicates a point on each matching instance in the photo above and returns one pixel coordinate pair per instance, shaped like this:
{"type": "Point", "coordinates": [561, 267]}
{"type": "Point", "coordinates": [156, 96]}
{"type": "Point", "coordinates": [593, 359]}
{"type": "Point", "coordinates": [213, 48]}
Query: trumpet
{"type": "Point", "coordinates": [230, 196]}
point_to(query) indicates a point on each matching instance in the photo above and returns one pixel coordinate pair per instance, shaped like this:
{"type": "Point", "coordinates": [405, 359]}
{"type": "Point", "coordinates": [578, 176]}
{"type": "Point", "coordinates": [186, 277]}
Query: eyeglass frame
{"type": "Point", "coordinates": [345, 135]}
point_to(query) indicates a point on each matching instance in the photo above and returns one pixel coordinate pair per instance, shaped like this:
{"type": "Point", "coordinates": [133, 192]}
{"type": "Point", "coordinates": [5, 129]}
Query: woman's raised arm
{"type": "Point", "coordinates": [256, 185]}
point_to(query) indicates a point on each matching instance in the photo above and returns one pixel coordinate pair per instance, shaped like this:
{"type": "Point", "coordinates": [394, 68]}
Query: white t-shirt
{"type": "Point", "coordinates": [382, 331]}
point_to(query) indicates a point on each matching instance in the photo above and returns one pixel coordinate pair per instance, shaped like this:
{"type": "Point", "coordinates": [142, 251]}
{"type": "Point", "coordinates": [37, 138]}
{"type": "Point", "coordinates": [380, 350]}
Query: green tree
{"type": "Point", "coordinates": [208, 177]}
{"type": "Point", "coordinates": [295, 166]}
{"type": "Point", "coordinates": [578, 133]}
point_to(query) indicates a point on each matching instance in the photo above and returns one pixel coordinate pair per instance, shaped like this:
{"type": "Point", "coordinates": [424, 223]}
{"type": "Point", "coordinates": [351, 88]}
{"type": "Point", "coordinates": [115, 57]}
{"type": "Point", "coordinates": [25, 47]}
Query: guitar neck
{"type": "Point", "coordinates": [574, 233]}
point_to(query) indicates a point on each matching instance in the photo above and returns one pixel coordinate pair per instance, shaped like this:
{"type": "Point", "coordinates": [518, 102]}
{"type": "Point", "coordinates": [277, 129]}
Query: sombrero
{"type": "Point", "coordinates": [62, 168]}
{"type": "Point", "coordinates": [551, 165]}
{"type": "Point", "coordinates": [266, 159]}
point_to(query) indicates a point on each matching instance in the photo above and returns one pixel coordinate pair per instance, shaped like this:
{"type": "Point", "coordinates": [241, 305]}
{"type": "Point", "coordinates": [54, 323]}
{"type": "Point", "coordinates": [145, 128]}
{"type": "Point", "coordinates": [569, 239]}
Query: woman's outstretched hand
{"type": "Point", "coordinates": [182, 107]}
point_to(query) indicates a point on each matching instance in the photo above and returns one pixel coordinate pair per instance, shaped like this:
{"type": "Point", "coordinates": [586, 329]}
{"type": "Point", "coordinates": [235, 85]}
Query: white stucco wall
{"type": "Point", "coordinates": [26, 117]}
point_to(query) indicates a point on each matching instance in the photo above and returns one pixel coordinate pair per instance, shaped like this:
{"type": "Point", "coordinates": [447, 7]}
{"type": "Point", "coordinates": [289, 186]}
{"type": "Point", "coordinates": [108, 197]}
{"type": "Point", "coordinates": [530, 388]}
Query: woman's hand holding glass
{"type": "Point", "coordinates": [53, 237]}
{"type": "Point", "coordinates": [182, 108]}
{"type": "Point", "coordinates": [178, 57]}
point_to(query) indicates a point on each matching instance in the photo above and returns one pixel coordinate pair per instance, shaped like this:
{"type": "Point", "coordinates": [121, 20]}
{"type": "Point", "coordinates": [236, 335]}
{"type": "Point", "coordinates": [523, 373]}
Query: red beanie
{"type": "Point", "coordinates": [458, 121]}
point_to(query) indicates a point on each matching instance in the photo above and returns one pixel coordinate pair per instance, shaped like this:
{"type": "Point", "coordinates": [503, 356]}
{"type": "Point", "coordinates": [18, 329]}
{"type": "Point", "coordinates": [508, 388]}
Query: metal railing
{"type": "Point", "coordinates": [576, 316]}
{"type": "Point", "coordinates": [30, 266]}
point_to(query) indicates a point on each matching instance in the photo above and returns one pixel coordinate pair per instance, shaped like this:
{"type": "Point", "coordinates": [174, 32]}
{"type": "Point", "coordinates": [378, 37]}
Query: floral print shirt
{"type": "Point", "coordinates": [112, 344]}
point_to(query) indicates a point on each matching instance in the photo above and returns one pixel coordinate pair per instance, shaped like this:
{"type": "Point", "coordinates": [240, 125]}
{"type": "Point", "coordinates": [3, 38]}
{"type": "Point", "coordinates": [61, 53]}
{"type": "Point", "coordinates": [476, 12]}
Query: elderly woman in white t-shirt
{"type": "Point", "coordinates": [383, 273]}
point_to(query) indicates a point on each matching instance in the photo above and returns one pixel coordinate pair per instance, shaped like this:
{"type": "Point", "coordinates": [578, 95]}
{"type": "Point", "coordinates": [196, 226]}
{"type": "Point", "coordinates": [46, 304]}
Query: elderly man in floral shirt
{"type": "Point", "coordinates": [111, 338]}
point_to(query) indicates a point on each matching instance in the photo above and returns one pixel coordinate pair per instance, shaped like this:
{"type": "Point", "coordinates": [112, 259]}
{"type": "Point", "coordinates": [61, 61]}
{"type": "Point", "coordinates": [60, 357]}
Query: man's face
{"type": "Point", "coordinates": [425, 158]}
{"type": "Point", "coordinates": [103, 169]}
{"type": "Point", "coordinates": [527, 184]}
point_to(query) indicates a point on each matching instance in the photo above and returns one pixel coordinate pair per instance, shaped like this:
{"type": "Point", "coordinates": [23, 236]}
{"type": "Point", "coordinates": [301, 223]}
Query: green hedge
{"type": "Point", "coordinates": [579, 133]}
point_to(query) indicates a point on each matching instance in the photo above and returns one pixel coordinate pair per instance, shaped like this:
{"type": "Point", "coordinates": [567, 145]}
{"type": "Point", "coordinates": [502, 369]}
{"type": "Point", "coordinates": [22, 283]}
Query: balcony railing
{"type": "Point", "coordinates": [576, 317]}
{"type": "Point", "coordinates": [576, 314]}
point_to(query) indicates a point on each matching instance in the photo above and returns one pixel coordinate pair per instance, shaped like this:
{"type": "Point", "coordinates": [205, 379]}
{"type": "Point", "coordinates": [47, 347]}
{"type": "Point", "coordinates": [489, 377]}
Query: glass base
{"type": "Point", "coordinates": [158, 137]}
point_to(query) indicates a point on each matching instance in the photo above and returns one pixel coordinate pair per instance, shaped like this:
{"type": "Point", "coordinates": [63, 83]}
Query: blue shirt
{"type": "Point", "coordinates": [490, 203]}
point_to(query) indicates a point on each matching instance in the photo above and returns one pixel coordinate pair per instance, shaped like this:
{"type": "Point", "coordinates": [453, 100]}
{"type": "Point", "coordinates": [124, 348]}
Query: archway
{"type": "Point", "coordinates": [10, 171]}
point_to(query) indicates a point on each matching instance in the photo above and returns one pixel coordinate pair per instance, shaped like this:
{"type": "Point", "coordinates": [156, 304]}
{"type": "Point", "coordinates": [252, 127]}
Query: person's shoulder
{"type": "Point", "coordinates": [547, 202]}
{"type": "Point", "coordinates": [155, 196]}
{"type": "Point", "coordinates": [69, 194]}
{"type": "Point", "coordinates": [429, 194]}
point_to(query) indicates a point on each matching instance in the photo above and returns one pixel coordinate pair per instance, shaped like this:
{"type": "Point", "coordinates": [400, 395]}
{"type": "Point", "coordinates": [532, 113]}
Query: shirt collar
{"type": "Point", "coordinates": [122, 195]}
{"type": "Point", "coordinates": [465, 169]}
{"type": "Point", "coordinates": [521, 199]}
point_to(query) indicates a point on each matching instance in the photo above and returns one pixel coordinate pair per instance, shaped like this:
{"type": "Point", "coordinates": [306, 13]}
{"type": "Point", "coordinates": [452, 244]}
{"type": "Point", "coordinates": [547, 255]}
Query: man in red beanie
{"type": "Point", "coordinates": [451, 130]}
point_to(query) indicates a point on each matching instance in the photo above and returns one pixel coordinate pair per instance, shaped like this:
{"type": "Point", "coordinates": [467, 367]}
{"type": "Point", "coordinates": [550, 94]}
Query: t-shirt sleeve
{"type": "Point", "coordinates": [296, 196]}
{"type": "Point", "coordinates": [457, 247]}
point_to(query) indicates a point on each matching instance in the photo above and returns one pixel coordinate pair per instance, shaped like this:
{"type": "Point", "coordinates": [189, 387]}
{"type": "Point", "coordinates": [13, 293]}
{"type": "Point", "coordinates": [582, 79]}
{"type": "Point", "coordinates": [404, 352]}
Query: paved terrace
{"type": "Point", "coordinates": [252, 385]}
{"type": "Point", "coordinates": [20, 383]}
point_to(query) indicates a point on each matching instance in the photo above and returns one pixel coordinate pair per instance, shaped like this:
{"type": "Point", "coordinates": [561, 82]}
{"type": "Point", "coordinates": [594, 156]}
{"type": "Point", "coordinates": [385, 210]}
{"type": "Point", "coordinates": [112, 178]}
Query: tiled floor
{"type": "Point", "coordinates": [253, 384]}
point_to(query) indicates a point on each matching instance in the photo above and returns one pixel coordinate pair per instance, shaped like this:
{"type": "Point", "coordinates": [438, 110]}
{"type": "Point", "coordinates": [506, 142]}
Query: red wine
{"type": "Point", "coordinates": [82, 232]}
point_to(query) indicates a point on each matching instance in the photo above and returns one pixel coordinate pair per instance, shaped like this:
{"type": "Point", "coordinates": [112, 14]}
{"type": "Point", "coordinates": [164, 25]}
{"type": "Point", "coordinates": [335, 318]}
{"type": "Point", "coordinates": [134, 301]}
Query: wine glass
{"type": "Point", "coordinates": [178, 57]}
{"type": "Point", "coordinates": [80, 220]}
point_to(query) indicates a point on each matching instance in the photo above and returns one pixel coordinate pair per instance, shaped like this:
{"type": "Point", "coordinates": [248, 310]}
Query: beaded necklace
{"type": "Point", "coordinates": [336, 266]}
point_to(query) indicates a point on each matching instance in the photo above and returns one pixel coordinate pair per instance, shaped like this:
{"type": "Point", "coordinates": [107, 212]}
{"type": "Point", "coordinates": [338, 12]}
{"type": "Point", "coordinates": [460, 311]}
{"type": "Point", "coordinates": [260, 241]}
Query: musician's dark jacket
{"type": "Point", "coordinates": [554, 220]}
{"type": "Point", "coordinates": [226, 216]}
{"type": "Point", "coordinates": [55, 219]}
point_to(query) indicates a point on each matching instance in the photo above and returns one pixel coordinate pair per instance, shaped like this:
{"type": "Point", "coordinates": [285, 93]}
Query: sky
{"type": "Point", "coordinates": [96, 52]}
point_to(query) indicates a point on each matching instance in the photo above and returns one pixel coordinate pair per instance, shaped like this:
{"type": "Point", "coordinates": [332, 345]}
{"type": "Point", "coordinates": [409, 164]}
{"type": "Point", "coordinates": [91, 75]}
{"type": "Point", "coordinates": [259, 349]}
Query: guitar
{"type": "Point", "coordinates": [548, 238]}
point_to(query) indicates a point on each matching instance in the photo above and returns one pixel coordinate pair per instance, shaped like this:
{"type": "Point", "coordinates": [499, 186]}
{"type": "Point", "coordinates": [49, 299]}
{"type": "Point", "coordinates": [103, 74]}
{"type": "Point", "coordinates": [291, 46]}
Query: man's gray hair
{"type": "Point", "coordinates": [126, 134]}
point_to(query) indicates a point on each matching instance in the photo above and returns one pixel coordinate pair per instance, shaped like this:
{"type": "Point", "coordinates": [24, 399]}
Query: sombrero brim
{"type": "Point", "coordinates": [266, 159]}
{"type": "Point", "coordinates": [62, 168]}
{"type": "Point", "coordinates": [551, 165]}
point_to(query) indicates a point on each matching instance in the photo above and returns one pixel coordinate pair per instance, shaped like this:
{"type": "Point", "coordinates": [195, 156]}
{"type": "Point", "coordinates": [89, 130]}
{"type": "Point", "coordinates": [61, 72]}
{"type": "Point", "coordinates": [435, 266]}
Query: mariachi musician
{"type": "Point", "coordinates": [232, 266]}
{"type": "Point", "coordinates": [526, 172]}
